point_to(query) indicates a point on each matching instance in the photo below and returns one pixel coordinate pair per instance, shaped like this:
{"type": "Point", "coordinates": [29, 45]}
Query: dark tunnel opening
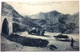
{"type": "Point", "coordinates": [5, 28]}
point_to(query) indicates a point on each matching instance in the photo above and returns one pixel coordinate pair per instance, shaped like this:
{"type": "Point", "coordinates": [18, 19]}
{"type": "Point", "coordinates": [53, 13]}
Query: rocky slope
{"type": "Point", "coordinates": [20, 23]}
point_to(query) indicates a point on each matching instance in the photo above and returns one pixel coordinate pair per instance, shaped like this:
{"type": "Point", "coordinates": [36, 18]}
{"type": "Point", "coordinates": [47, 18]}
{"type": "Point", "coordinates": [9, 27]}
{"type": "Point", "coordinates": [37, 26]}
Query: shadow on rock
{"type": "Point", "coordinates": [52, 47]}
{"type": "Point", "coordinates": [28, 41]}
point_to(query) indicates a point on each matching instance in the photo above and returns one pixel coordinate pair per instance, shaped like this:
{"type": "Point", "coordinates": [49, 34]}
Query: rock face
{"type": "Point", "coordinates": [15, 22]}
{"type": "Point", "coordinates": [6, 19]}
{"type": "Point", "coordinates": [55, 21]}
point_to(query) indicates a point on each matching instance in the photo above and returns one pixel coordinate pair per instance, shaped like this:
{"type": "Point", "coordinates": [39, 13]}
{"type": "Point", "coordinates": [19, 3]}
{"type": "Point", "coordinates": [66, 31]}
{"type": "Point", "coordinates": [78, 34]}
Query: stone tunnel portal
{"type": "Point", "coordinates": [5, 28]}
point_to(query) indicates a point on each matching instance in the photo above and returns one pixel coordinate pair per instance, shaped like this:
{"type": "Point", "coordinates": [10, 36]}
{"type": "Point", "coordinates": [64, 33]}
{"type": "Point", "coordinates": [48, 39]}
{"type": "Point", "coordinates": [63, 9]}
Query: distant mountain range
{"type": "Point", "coordinates": [52, 21]}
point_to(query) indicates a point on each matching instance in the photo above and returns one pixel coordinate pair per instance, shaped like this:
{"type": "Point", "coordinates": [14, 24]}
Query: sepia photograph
{"type": "Point", "coordinates": [40, 26]}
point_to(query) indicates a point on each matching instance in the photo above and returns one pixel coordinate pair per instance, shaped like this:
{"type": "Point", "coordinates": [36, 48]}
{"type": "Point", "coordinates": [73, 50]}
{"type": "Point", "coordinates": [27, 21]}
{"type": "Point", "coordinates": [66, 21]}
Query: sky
{"type": "Point", "coordinates": [30, 8]}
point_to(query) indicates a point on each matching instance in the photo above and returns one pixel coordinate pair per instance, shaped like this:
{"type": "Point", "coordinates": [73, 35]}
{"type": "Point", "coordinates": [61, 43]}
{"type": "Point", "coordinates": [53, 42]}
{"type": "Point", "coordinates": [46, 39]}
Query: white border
{"type": "Point", "coordinates": [39, 1]}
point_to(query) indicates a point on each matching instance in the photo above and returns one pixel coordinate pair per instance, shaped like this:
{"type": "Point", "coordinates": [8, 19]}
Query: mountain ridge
{"type": "Point", "coordinates": [54, 19]}
{"type": "Point", "coordinates": [18, 19]}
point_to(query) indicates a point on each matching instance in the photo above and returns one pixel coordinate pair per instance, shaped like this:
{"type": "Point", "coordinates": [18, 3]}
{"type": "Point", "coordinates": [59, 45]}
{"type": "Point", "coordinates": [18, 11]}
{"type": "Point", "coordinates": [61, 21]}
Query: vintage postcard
{"type": "Point", "coordinates": [40, 26]}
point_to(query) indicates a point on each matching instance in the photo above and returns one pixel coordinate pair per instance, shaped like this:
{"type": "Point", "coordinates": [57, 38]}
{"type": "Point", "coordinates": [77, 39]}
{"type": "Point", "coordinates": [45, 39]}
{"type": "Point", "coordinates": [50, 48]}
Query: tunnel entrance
{"type": "Point", "coordinates": [5, 28]}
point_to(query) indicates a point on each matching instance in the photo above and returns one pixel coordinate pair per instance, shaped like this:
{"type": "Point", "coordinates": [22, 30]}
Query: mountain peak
{"type": "Point", "coordinates": [55, 12]}
{"type": "Point", "coordinates": [41, 12]}
{"type": "Point", "coordinates": [6, 5]}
